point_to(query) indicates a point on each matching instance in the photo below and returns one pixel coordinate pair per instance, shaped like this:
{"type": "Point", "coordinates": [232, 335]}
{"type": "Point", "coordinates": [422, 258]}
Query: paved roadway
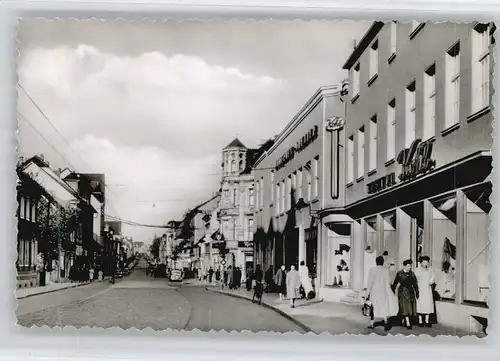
{"type": "Point", "coordinates": [139, 301]}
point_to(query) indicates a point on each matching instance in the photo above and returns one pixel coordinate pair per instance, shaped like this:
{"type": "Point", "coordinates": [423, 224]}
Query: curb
{"type": "Point", "coordinates": [57, 289]}
{"type": "Point", "coordinates": [275, 309]}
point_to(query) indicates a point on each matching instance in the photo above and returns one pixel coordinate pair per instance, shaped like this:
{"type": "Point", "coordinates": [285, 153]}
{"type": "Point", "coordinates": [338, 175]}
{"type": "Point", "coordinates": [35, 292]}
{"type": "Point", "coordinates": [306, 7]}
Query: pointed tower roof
{"type": "Point", "coordinates": [236, 143]}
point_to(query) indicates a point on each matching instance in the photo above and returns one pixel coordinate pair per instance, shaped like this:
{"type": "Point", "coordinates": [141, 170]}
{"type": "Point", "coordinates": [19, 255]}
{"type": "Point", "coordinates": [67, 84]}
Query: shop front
{"type": "Point", "coordinates": [293, 184]}
{"type": "Point", "coordinates": [440, 212]}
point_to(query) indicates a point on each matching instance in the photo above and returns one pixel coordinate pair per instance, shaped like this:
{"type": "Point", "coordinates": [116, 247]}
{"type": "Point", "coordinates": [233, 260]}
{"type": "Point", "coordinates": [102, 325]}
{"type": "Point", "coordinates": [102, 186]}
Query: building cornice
{"type": "Point", "coordinates": [318, 96]}
{"type": "Point", "coordinates": [363, 44]}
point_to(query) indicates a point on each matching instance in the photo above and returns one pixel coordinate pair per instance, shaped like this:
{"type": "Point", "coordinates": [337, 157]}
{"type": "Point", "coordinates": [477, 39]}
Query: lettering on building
{"type": "Point", "coordinates": [414, 161]}
{"type": "Point", "coordinates": [382, 183]}
{"type": "Point", "coordinates": [302, 144]}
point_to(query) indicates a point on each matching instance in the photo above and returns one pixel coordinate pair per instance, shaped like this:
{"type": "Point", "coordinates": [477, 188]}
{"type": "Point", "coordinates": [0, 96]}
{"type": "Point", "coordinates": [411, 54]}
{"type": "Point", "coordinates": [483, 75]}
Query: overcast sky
{"type": "Point", "coordinates": [152, 104]}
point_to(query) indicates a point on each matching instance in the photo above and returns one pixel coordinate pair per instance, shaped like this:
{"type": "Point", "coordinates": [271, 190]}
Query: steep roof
{"type": "Point", "coordinates": [236, 143]}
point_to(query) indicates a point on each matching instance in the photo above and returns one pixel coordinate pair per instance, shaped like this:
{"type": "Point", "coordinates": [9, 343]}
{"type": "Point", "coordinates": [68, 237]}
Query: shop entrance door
{"type": "Point", "coordinates": [291, 245]}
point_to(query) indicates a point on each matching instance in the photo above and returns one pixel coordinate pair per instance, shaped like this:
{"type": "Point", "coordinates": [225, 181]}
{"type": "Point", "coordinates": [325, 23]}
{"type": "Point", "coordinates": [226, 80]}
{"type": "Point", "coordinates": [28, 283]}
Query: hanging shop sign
{"type": "Point", "coordinates": [302, 144]}
{"type": "Point", "coordinates": [414, 161]}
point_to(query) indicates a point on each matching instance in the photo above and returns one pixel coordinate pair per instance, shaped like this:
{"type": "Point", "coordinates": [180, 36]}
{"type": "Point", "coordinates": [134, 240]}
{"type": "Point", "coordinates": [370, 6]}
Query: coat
{"type": "Point", "coordinates": [280, 281]}
{"type": "Point", "coordinates": [292, 284]}
{"type": "Point", "coordinates": [305, 280]}
{"type": "Point", "coordinates": [384, 302]}
{"type": "Point", "coordinates": [425, 301]}
{"type": "Point", "coordinates": [407, 292]}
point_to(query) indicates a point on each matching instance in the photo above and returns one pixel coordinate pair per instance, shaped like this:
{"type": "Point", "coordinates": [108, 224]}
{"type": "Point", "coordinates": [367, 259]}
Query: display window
{"type": "Point", "coordinates": [444, 244]}
{"type": "Point", "coordinates": [477, 244]}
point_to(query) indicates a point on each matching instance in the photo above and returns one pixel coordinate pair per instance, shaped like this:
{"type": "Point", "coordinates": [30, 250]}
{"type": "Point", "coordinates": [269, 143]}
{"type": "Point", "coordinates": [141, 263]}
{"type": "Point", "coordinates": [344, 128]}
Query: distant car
{"type": "Point", "coordinates": [176, 275]}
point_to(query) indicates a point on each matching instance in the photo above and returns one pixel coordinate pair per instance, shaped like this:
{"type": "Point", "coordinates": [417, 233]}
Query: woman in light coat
{"type": "Point", "coordinates": [425, 301]}
{"type": "Point", "coordinates": [384, 302]}
{"type": "Point", "coordinates": [292, 285]}
{"type": "Point", "coordinates": [304, 279]}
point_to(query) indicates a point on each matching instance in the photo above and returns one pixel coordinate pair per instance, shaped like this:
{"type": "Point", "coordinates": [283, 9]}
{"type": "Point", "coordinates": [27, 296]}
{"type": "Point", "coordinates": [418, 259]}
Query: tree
{"type": "Point", "coordinates": [56, 225]}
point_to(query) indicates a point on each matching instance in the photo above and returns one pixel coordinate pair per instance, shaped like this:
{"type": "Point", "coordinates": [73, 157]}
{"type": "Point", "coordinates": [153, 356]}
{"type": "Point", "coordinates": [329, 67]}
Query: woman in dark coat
{"type": "Point", "coordinates": [407, 292]}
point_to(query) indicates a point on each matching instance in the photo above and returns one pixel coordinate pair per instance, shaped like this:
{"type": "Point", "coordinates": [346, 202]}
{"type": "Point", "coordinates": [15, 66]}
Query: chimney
{"type": "Point", "coordinates": [42, 156]}
{"type": "Point", "coordinates": [354, 44]}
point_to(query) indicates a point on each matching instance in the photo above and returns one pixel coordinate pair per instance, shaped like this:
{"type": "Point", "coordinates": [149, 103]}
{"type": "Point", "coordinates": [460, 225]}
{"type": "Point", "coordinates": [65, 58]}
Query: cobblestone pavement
{"type": "Point", "coordinates": [139, 301]}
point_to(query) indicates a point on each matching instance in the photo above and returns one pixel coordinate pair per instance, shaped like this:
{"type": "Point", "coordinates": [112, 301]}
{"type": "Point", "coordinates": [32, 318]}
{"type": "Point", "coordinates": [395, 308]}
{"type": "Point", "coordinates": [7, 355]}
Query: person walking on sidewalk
{"type": "Point", "coordinates": [280, 281]}
{"type": "Point", "coordinates": [91, 274]}
{"type": "Point", "coordinates": [384, 302]}
{"type": "Point", "coordinates": [210, 275]}
{"type": "Point", "coordinates": [305, 280]}
{"type": "Point", "coordinates": [217, 276]}
{"type": "Point", "coordinates": [293, 285]}
{"type": "Point", "coordinates": [407, 292]}
{"type": "Point", "coordinates": [269, 279]}
{"type": "Point", "coordinates": [425, 301]}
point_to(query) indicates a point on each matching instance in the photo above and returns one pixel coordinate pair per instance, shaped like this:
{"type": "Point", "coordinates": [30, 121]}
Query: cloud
{"type": "Point", "coordinates": [149, 184]}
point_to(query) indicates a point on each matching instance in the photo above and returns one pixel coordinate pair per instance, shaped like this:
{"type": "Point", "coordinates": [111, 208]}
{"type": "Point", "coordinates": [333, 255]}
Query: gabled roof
{"type": "Point", "coordinates": [236, 143]}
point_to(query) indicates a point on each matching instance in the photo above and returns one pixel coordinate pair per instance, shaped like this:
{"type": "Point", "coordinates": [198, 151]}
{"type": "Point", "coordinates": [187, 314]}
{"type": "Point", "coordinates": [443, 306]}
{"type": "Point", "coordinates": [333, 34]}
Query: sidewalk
{"type": "Point", "coordinates": [336, 318]}
{"type": "Point", "coordinates": [33, 291]}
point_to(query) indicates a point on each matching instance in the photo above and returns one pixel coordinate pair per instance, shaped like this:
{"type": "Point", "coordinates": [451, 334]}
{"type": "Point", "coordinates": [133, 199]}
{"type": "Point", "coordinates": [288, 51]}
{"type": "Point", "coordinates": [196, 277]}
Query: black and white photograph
{"type": "Point", "coordinates": [286, 176]}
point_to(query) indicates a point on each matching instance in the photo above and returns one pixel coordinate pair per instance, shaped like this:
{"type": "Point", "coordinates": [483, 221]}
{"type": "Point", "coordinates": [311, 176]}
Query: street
{"type": "Point", "coordinates": [139, 301]}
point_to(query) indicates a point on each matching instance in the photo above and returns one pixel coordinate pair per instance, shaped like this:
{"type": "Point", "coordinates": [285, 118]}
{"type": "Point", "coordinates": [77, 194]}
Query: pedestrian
{"type": "Point", "coordinates": [217, 276]}
{"type": "Point", "coordinates": [91, 274]}
{"type": "Point", "coordinates": [269, 279]}
{"type": "Point", "coordinates": [225, 278]}
{"type": "Point", "coordinates": [230, 277]}
{"type": "Point", "coordinates": [293, 285]}
{"type": "Point", "coordinates": [425, 301]}
{"type": "Point", "coordinates": [100, 275]}
{"type": "Point", "coordinates": [383, 301]}
{"type": "Point", "coordinates": [280, 281]}
{"type": "Point", "coordinates": [305, 281]}
{"type": "Point", "coordinates": [249, 280]}
{"type": "Point", "coordinates": [238, 277]}
{"type": "Point", "coordinates": [407, 292]}
{"type": "Point", "coordinates": [210, 274]}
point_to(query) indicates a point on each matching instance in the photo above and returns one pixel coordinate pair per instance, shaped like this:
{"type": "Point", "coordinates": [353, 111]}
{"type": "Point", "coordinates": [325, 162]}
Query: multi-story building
{"type": "Point", "coordinates": [295, 179]}
{"type": "Point", "coordinates": [418, 157]}
{"type": "Point", "coordinates": [237, 202]}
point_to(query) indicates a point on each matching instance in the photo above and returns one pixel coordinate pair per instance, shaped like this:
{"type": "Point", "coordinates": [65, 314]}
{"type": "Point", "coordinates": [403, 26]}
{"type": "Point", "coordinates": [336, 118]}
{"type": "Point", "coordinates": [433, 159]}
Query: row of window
{"type": "Point", "coordinates": [26, 253]}
{"type": "Point", "coordinates": [303, 183]}
{"type": "Point", "coordinates": [27, 209]}
{"type": "Point", "coordinates": [374, 55]}
{"type": "Point", "coordinates": [480, 94]}
{"type": "Point", "coordinates": [230, 229]}
{"type": "Point", "coordinates": [231, 198]}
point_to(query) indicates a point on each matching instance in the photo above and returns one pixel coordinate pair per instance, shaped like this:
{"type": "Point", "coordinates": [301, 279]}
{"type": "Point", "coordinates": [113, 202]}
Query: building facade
{"type": "Point", "coordinates": [418, 157]}
{"type": "Point", "coordinates": [295, 179]}
{"type": "Point", "coordinates": [237, 205]}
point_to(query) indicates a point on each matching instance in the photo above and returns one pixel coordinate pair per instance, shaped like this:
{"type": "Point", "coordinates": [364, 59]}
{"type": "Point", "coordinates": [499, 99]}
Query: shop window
{"type": "Point", "coordinates": [339, 258]}
{"type": "Point", "coordinates": [444, 231]}
{"type": "Point", "coordinates": [477, 244]}
{"type": "Point", "coordinates": [371, 241]}
{"type": "Point", "coordinates": [311, 240]}
{"type": "Point", "coordinates": [390, 241]}
{"type": "Point", "coordinates": [416, 214]}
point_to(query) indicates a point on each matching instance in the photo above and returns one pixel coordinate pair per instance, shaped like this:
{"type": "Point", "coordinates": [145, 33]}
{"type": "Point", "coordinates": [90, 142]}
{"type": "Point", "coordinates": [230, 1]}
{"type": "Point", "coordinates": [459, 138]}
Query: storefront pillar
{"type": "Point", "coordinates": [357, 264]}
{"type": "Point", "coordinates": [403, 231]}
{"type": "Point", "coordinates": [321, 256]}
{"type": "Point", "coordinates": [380, 235]}
{"type": "Point", "coordinates": [302, 243]}
{"type": "Point", "coordinates": [427, 241]}
{"type": "Point", "coordinates": [461, 247]}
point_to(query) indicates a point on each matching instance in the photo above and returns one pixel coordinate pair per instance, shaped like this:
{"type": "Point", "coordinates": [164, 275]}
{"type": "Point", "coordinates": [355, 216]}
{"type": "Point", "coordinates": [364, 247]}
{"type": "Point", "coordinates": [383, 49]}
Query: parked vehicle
{"type": "Point", "coordinates": [176, 275]}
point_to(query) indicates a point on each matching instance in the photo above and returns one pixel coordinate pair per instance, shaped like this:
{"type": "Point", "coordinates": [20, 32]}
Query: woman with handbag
{"type": "Point", "coordinates": [425, 301]}
{"type": "Point", "coordinates": [382, 301]}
